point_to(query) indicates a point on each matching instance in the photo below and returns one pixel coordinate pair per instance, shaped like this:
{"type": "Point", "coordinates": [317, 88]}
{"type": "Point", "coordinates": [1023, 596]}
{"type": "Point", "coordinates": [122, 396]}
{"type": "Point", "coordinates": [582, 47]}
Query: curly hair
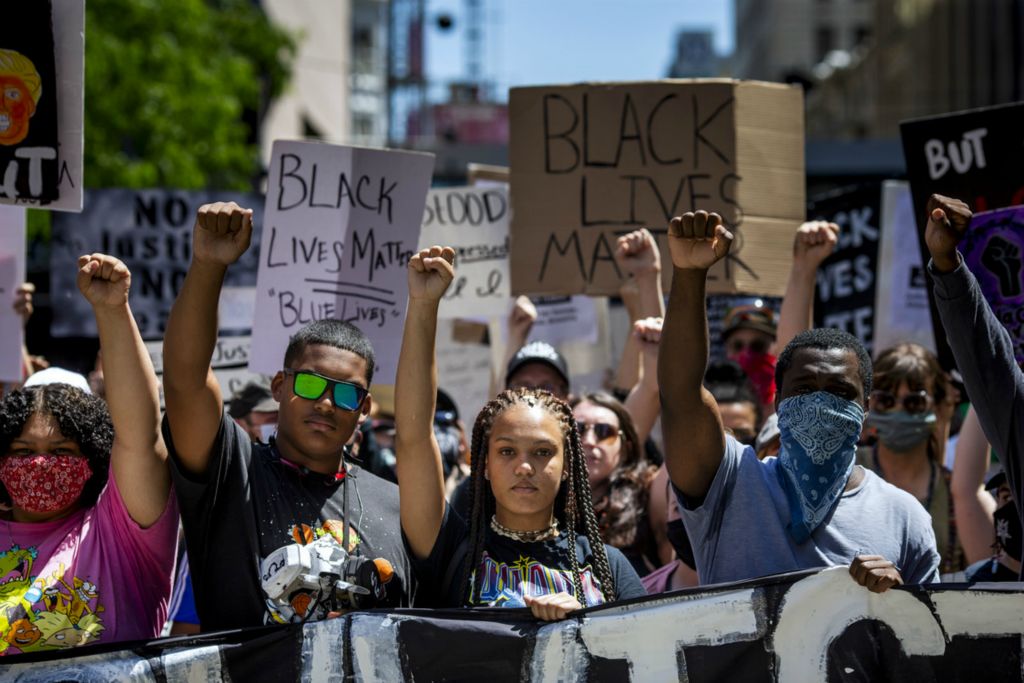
{"type": "Point", "coordinates": [573, 506]}
{"type": "Point", "coordinates": [621, 512]}
{"type": "Point", "coordinates": [81, 417]}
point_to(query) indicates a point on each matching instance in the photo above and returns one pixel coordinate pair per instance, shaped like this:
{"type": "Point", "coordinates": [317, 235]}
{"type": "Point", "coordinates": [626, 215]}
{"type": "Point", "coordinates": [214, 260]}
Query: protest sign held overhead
{"type": "Point", "coordinates": [973, 156]}
{"type": "Point", "coordinates": [151, 231]}
{"type": "Point", "coordinates": [12, 274]}
{"type": "Point", "coordinates": [993, 249]}
{"type": "Point", "coordinates": [230, 364]}
{"type": "Point", "coordinates": [591, 162]}
{"type": "Point", "coordinates": [845, 294]}
{"type": "Point", "coordinates": [473, 221]}
{"type": "Point", "coordinates": [339, 228]}
{"type": "Point", "coordinates": [42, 103]}
{"type": "Point", "coordinates": [464, 371]}
{"type": "Point", "coordinates": [902, 313]}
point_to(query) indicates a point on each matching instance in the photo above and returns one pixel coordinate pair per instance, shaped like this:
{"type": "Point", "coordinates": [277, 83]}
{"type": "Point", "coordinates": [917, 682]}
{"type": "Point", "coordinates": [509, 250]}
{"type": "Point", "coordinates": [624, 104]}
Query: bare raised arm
{"type": "Point", "coordinates": [636, 254]}
{"type": "Point", "coordinates": [972, 504]}
{"type": "Point", "coordinates": [642, 402]}
{"type": "Point", "coordinates": [692, 426]}
{"type": "Point", "coordinates": [194, 405]}
{"type": "Point", "coordinates": [417, 455]}
{"type": "Point", "coordinates": [813, 243]}
{"type": "Point", "coordinates": [138, 456]}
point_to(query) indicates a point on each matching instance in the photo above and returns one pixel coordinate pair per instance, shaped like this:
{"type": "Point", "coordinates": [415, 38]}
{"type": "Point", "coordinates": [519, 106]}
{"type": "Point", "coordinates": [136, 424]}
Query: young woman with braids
{"type": "Point", "coordinates": [531, 539]}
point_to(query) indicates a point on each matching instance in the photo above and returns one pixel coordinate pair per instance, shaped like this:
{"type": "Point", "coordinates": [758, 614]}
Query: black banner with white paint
{"type": "Point", "coordinates": [796, 627]}
{"type": "Point", "coordinates": [845, 294]}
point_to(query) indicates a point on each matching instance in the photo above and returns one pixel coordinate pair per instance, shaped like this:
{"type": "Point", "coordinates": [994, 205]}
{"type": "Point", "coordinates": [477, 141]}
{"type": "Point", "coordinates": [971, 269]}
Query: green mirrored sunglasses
{"type": "Point", "coordinates": [311, 386]}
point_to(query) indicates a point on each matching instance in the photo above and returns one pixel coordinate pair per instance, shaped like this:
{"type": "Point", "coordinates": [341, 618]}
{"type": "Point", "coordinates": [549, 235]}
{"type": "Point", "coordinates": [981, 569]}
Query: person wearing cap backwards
{"type": "Point", "coordinates": [255, 411]}
{"type": "Point", "coordinates": [242, 501]}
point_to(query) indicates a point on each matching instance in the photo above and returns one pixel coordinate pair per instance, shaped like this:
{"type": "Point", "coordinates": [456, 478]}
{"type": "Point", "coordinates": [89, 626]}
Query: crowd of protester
{"type": "Point", "coordinates": [795, 451]}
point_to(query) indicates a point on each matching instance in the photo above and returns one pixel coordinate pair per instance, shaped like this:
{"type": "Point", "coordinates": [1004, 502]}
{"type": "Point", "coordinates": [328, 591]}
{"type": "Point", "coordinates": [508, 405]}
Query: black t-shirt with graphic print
{"type": "Point", "coordinates": [509, 568]}
{"type": "Point", "coordinates": [250, 503]}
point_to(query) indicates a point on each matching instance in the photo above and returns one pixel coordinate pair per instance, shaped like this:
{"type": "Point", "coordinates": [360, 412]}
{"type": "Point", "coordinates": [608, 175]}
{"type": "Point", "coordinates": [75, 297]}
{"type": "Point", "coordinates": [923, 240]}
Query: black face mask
{"type": "Point", "coordinates": [1008, 530]}
{"type": "Point", "coordinates": [680, 540]}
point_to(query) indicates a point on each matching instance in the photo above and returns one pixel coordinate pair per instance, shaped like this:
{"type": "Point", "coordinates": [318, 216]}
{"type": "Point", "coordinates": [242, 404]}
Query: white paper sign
{"type": "Point", "coordinates": [474, 221]}
{"type": "Point", "coordinates": [69, 68]}
{"type": "Point", "coordinates": [339, 227]}
{"type": "Point", "coordinates": [902, 313]}
{"type": "Point", "coordinates": [12, 274]}
{"type": "Point", "coordinates": [229, 362]}
{"type": "Point", "coordinates": [565, 319]}
{"type": "Point", "coordinates": [463, 371]}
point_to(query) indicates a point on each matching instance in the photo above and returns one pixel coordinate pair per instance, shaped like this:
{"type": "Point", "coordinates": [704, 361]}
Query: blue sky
{"type": "Point", "coordinates": [531, 42]}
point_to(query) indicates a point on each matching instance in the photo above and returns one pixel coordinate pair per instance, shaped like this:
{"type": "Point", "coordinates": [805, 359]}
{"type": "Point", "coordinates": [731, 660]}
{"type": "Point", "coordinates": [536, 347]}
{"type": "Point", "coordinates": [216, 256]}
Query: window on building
{"type": "Point", "coordinates": [824, 41]}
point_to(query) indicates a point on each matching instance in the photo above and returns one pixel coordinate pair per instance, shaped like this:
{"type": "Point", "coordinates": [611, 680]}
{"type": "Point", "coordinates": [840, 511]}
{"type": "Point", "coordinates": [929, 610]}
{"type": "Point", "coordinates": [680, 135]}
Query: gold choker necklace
{"type": "Point", "coordinates": [525, 536]}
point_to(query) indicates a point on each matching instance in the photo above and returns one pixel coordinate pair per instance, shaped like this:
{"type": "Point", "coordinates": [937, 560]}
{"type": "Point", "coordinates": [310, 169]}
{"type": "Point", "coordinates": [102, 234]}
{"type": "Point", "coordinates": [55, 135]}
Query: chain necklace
{"type": "Point", "coordinates": [525, 536]}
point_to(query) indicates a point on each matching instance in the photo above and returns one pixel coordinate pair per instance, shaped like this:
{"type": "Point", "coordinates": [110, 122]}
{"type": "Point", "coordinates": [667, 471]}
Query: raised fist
{"type": "Point", "coordinates": [103, 280]}
{"type": "Point", "coordinates": [698, 240]}
{"type": "Point", "coordinates": [430, 272]}
{"type": "Point", "coordinates": [814, 242]}
{"type": "Point", "coordinates": [222, 233]}
{"type": "Point", "coordinates": [948, 220]}
{"type": "Point", "coordinates": [636, 253]}
{"type": "Point", "coordinates": [23, 301]}
{"type": "Point", "coordinates": [648, 333]}
{"type": "Point", "coordinates": [522, 317]}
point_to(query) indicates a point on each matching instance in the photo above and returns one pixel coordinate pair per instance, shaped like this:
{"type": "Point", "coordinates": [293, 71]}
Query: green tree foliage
{"type": "Point", "coordinates": [173, 90]}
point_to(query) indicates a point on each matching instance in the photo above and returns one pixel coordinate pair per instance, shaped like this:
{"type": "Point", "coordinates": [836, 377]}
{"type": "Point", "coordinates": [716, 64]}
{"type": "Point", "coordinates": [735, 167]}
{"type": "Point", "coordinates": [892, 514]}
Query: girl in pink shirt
{"type": "Point", "coordinates": [88, 527]}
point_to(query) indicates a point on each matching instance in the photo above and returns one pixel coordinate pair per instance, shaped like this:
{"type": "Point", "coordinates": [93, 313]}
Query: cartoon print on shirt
{"type": "Point", "coordinates": [304, 534]}
{"type": "Point", "coordinates": [504, 585]}
{"type": "Point", "coordinates": [39, 613]}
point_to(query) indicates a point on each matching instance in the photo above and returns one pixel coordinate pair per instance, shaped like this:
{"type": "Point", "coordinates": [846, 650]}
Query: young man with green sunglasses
{"type": "Point", "coordinates": [241, 501]}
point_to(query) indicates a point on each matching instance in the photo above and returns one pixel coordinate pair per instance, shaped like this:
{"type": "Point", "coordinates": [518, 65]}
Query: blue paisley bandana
{"type": "Point", "coordinates": [819, 434]}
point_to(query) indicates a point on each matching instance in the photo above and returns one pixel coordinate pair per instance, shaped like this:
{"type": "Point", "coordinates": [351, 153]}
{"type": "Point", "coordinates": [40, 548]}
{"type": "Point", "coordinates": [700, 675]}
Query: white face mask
{"type": "Point", "coordinates": [268, 430]}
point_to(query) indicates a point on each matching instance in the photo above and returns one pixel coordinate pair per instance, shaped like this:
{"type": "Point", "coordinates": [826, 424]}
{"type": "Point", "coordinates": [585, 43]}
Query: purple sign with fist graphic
{"type": "Point", "coordinates": [993, 250]}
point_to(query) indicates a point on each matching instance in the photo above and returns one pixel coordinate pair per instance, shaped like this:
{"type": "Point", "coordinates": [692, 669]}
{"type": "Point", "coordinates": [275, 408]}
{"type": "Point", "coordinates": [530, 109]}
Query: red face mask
{"type": "Point", "coordinates": [44, 482]}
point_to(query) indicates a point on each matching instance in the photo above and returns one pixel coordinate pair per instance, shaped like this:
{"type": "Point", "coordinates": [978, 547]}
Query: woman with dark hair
{"type": "Point", "coordinates": [619, 476]}
{"type": "Point", "coordinates": [88, 523]}
{"type": "Point", "coordinates": [909, 411]}
{"type": "Point", "coordinates": [531, 539]}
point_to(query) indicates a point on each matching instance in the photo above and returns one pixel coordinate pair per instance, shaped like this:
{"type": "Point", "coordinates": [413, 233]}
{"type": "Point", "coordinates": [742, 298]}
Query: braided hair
{"type": "Point", "coordinates": [573, 505]}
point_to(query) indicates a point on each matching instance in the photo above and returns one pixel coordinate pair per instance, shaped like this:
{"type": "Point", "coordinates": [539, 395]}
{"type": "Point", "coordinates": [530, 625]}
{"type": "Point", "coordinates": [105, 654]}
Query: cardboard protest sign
{"type": "Point", "coordinates": [230, 363]}
{"type": "Point", "coordinates": [340, 226]}
{"type": "Point", "coordinates": [993, 249]}
{"type": "Point", "coordinates": [845, 294]}
{"type": "Point", "coordinates": [151, 231]}
{"type": "Point", "coordinates": [902, 313]}
{"type": "Point", "coordinates": [973, 156]}
{"type": "Point", "coordinates": [12, 274]}
{"type": "Point", "coordinates": [474, 221]}
{"type": "Point", "coordinates": [42, 104]}
{"type": "Point", "coordinates": [591, 162]}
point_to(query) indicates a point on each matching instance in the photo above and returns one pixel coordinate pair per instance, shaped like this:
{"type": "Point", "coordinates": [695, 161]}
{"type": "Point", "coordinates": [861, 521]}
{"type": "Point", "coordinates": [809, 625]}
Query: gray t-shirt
{"type": "Point", "coordinates": [739, 530]}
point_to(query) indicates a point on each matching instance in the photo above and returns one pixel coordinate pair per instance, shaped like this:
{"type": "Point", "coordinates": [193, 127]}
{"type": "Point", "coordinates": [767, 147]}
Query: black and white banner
{"type": "Point", "coordinates": [796, 627]}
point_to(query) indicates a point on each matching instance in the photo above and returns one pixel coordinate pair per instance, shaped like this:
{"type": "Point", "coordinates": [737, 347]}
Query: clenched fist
{"type": "Point", "coordinates": [814, 242]}
{"type": "Point", "coordinates": [698, 240]}
{"type": "Point", "coordinates": [103, 280]}
{"type": "Point", "coordinates": [948, 220]}
{"type": "Point", "coordinates": [222, 233]}
{"type": "Point", "coordinates": [430, 273]}
{"type": "Point", "coordinates": [637, 253]}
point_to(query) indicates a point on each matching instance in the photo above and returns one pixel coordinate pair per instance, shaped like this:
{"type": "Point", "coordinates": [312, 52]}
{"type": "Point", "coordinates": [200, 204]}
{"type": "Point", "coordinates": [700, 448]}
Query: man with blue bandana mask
{"type": "Point", "coordinates": [809, 507]}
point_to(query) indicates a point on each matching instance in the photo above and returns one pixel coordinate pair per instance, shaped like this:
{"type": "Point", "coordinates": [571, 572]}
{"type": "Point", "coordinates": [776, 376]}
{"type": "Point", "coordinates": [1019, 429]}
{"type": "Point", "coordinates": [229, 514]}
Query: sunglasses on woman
{"type": "Point", "coordinates": [311, 386]}
{"type": "Point", "coordinates": [917, 402]}
{"type": "Point", "coordinates": [603, 432]}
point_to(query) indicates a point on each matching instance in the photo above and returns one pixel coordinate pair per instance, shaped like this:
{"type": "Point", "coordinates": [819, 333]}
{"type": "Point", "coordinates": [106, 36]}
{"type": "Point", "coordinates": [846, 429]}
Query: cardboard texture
{"type": "Point", "coordinates": [591, 162]}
